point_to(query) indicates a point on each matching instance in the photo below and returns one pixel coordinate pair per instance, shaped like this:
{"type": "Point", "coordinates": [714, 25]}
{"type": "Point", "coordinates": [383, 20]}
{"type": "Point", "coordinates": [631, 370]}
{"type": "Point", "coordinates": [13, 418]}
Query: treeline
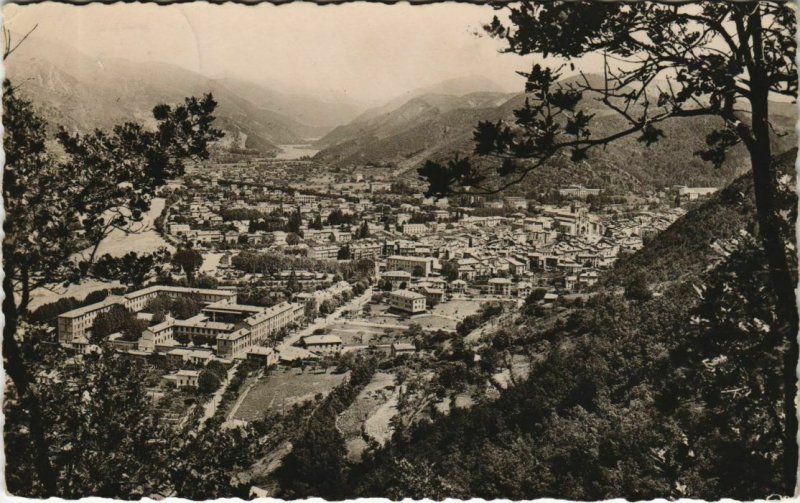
{"type": "Point", "coordinates": [473, 321]}
{"type": "Point", "coordinates": [258, 220]}
{"type": "Point", "coordinates": [272, 263]}
{"type": "Point", "coordinates": [317, 465]}
{"type": "Point", "coordinates": [48, 313]}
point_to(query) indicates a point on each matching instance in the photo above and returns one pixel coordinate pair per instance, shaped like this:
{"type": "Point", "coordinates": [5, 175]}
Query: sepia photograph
{"type": "Point", "coordinates": [510, 250]}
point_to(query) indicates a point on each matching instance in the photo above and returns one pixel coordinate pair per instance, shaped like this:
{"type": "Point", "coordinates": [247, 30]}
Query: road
{"type": "Point", "coordinates": [291, 339]}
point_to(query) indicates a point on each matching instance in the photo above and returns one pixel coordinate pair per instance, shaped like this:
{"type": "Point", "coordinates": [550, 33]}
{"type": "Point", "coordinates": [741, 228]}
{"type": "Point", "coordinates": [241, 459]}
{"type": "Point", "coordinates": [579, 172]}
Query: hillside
{"type": "Point", "coordinates": [83, 93]}
{"type": "Point", "coordinates": [700, 237]}
{"type": "Point", "coordinates": [422, 129]}
{"type": "Point", "coordinates": [626, 397]}
{"type": "Point", "coordinates": [379, 136]}
{"type": "Point", "coordinates": [474, 84]}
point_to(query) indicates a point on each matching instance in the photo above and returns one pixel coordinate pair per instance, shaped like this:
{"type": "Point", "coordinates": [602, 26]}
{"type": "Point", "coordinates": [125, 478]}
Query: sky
{"type": "Point", "coordinates": [371, 52]}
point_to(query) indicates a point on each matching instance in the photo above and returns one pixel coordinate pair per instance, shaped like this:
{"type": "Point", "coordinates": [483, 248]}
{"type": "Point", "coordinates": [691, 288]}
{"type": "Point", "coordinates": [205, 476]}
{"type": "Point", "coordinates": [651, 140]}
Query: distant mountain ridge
{"type": "Point", "coordinates": [409, 115]}
{"type": "Point", "coordinates": [438, 127]}
{"type": "Point", "coordinates": [83, 93]}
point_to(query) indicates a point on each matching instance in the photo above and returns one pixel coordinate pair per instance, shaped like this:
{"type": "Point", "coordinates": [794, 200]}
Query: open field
{"type": "Point", "coordinates": [353, 334]}
{"type": "Point", "coordinates": [457, 308]}
{"type": "Point", "coordinates": [210, 262]}
{"type": "Point", "coordinates": [379, 313]}
{"type": "Point", "coordinates": [434, 322]}
{"type": "Point", "coordinates": [378, 426]}
{"type": "Point", "coordinates": [41, 296]}
{"type": "Point", "coordinates": [147, 240]}
{"type": "Point", "coordinates": [284, 387]}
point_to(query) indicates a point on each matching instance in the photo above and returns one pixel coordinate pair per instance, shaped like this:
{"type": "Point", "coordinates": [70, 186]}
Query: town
{"type": "Point", "coordinates": [277, 279]}
{"type": "Point", "coordinates": [381, 250]}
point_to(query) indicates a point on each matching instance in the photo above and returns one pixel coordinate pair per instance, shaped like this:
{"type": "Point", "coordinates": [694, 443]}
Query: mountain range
{"type": "Point", "coordinates": [433, 122]}
{"type": "Point", "coordinates": [432, 126]}
{"type": "Point", "coordinates": [82, 92]}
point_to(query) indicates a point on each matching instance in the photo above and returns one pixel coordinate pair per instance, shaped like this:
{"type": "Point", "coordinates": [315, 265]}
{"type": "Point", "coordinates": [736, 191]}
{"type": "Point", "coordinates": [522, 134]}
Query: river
{"type": "Point", "coordinates": [293, 152]}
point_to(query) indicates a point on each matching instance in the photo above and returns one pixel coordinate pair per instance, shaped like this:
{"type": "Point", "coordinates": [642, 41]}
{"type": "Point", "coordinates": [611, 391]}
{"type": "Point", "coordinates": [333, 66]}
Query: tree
{"type": "Point", "coordinates": [326, 307]}
{"type": "Point", "coordinates": [339, 217]}
{"type": "Point", "coordinates": [660, 62]}
{"type": "Point", "coordinates": [117, 319]}
{"type": "Point", "coordinates": [418, 271]}
{"type": "Point", "coordinates": [363, 231]}
{"type": "Point", "coordinates": [96, 296]}
{"type": "Point", "coordinates": [189, 260]}
{"type": "Point", "coordinates": [638, 289]}
{"type": "Point", "coordinates": [206, 281]}
{"type": "Point", "coordinates": [207, 382]}
{"type": "Point", "coordinates": [316, 223]}
{"type": "Point", "coordinates": [184, 307]}
{"type": "Point", "coordinates": [103, 181]}
{"type": "Point", "coordinates": [343, 253]}
{"type": "Point", "coordinates": [295, 222]}
{"type": "Point", "coordinates": [292, 283]}
{"type": "Point", "coordinates": [292, 239]}
{"type": "Point", "coordinates": [109, 322]}
{"type": "Point", "coordinates": [131, 269]}
{"type": "Point", "coordinates": [450, 270]}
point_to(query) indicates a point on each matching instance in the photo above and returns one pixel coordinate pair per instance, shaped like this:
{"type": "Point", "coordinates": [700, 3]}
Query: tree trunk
{"type": "Point", "coordinates": [780, 273]}
{"type": "Point", "coordinates": [19, 375]}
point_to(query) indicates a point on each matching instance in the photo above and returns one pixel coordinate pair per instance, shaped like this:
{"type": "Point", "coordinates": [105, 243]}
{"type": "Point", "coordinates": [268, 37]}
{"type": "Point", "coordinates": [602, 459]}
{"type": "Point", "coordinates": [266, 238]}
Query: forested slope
{"type": "Point", "coordinates": [676, 394]}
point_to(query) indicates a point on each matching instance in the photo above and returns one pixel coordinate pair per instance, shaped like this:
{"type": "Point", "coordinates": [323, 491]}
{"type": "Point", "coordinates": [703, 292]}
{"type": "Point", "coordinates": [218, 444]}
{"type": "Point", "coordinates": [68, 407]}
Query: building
{"type": "Point", "coordinates": [397, 278]}
{"type": "Point", "coordinates": [255, 329]}
{"type": "Point", "coordinates": [180, 229]}
{"type": "Point", "coordinates": [380, 187]}
{"type": "Point", "coordinates": [458, 286]}
{"type": "Point", "coordinates": [517, 203]}
{"type": "Point", "coordinates": [410, 264]}
{"type": "Point", "coordinates": [268, 356]}
{"type": "Point", "coordinates": [576, 221]}
{"type": "Point", "coordinates": [324, 251]}
{"type": "Point", "coordinates": [183, 378]}
{"type": "Point", "coordinates": [432, 295]}
{"type": "Point", "coordinates": [516, 267]}
{"type": "Point", "coordinates": [578, 191]}
{"type": "Point", "coordinates": [78, 322]}
{"type": "Point", "coordinates": [199, 356]}
{"type": "Point", "coordinates": [365, 249]}
{"type": "Point", "coordinates": [414, 229]}
{"type": "Point", "coordinates": [402, 348]}
{"type": "Point", "coordinates": [407, 301]}
{"type": "Point", "coordinates": [500, 286]}
{"type": "Point", "coordinates": [323, 344]}
{"type": "Point", "coordinates": [207, 236]}
{"type": "Point", "coordinates": [693, 193]}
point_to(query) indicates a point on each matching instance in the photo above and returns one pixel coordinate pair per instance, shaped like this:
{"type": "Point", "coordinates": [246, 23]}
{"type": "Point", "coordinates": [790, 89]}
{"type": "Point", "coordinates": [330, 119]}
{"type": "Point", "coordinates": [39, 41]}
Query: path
{"type": "Point", "coordinates": [210, 407]}
{"type": "Point", "coordinates": [242, 396]}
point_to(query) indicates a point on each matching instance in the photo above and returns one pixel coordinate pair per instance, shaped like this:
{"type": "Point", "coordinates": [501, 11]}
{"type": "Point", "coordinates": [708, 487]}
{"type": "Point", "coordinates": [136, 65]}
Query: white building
{"type": "Point", "coordinates": [407, 301]}
{"type": "Point", "coordinates": [500, 286]}
{"type": "Point", "coordinates": [323, 344]}
{"type": "Point", "coordinates": [409, 264]}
